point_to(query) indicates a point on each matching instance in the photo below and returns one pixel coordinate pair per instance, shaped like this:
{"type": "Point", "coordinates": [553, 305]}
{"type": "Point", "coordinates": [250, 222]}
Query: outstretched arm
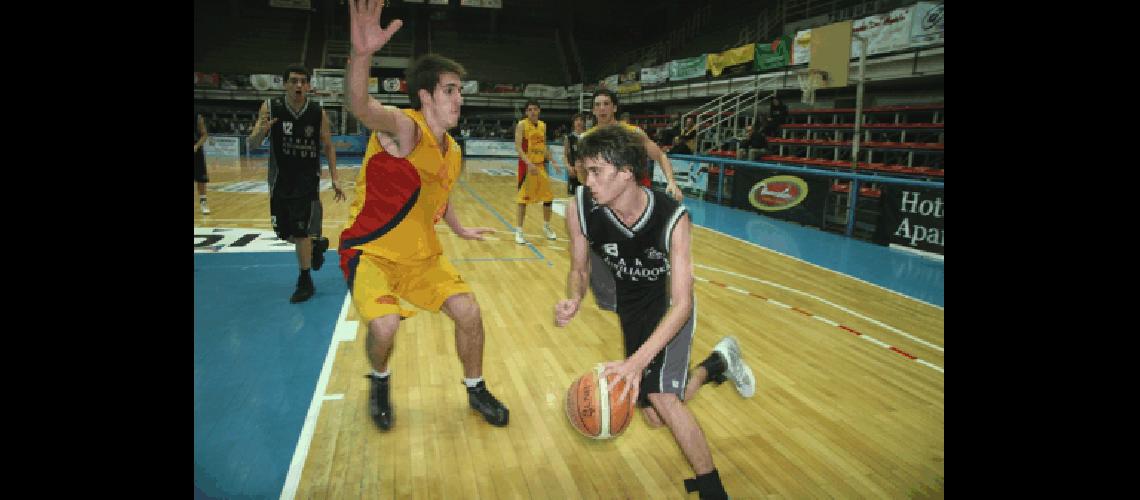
{"type": "Point", "coordinates": [367, 37]}
{"type": "Point", "coordinates": [655, 153]}
{"type": "Point", "coordinates": [467, 233]}
{"type": "Point", "coordinates": [579, 274]}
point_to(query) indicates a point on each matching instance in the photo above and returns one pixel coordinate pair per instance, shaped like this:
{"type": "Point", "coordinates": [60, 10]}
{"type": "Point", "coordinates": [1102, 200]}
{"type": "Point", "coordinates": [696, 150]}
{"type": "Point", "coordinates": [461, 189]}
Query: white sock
{"type": "Point", "coordinates": [202, 198]}
{"type": "Point", "coordinates": [472, 382]}
{"type": "Point", "coordinates": [381, 375]}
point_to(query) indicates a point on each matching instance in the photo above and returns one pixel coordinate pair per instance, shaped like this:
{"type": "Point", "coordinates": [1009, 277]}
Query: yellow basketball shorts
{"type": "Point", "coordinates": [378, 284]}
{"type": "Point", "coordinates": [533, 188]}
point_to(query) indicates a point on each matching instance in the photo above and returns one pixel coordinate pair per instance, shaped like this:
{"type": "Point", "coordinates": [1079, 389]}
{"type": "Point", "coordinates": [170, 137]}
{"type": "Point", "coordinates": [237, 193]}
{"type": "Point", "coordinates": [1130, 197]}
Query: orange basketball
{"type": "Point", "coordinates": [594, 410]}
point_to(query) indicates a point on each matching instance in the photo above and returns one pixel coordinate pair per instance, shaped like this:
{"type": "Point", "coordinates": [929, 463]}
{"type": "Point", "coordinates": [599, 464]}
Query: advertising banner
{"type": "Point", "coordinates": [783, 194]}
{"type": "Point", "coordinates": [654, 75]}
{"type": "Point", "coordinates": [691, 67]}
{"type": "Point", "coordinates": [775, 54]}
{"type": "Point", "coordinates": [731, 57]}
{"type": "Point", "coordinates": [913, 217]}
{"type": "Point", "coordinates": [487, 147]}
{"type": "Point", "coordinates": [220, 145]}
{"type": "Point", "coordinates": [929, 24]}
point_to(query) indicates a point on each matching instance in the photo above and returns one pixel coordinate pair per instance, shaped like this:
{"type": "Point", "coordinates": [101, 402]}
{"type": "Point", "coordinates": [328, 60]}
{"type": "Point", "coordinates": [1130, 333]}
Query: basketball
{"type": "Point", "coordinates": [594, 410]}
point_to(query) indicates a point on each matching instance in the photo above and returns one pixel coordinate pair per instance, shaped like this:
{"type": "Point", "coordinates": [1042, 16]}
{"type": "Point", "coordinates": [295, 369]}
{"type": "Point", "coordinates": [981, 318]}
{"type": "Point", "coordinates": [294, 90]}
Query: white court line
{"type": "Point", "coordinates": [825, 301]}
{"type": "Point", "coordinates": [302, 451]}
{"type": "Point", "coordinates": [819, 266]}
{"type": "Point", "coordinates": [825, 320]}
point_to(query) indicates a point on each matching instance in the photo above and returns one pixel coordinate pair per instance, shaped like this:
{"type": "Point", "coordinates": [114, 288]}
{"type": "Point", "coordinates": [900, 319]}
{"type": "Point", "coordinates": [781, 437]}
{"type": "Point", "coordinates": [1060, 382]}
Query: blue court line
{"type": "Point", "coordinates": [504, 221]}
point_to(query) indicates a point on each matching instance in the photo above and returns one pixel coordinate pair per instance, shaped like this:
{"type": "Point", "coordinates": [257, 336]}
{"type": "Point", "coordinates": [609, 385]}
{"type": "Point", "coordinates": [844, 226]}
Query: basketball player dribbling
{"type": "Point", "coordinates": [644, 239]}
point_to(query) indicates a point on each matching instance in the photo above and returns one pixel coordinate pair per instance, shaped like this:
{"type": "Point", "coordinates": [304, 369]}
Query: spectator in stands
{"type": "Point", "coordinates": [778, 115]}
{"type": "Point", "coordinates": [201, 135]}
{"type": "Point", "coordinates": [689, 135]}
{"type": "Point", "coordinates": [761, 122]}
{"type": "Point", "coordinates": [754, 145]}
{"type": "Point", "coordinates": [666, 135]}
{"type": "Point", "coordinates": [533, 180]}
{"type": "Point", "coordinates": [389, 248]}
{"type": "Point", "coordinates": [680, 146]}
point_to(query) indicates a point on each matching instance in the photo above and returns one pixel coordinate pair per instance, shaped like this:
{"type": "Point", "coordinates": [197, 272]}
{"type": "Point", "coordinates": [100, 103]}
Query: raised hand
{"type": "Point", "coordinates": [364, 26]}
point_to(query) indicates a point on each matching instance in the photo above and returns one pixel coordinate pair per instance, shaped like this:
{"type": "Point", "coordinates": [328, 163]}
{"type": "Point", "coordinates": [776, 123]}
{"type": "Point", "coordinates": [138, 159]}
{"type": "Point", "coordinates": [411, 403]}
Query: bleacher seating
{"type": "Point", "coordinates": [503, 59]}
{"type": "Point", "coordinates": [250, 38]}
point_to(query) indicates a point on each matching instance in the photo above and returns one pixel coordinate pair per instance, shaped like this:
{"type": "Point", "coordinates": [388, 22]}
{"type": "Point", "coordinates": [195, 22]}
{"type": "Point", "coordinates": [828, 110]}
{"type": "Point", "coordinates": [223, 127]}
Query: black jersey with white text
{"type": "Point", "coordinates": [294, 149]}
{"type": "Point", "coordinates": [637, 256]}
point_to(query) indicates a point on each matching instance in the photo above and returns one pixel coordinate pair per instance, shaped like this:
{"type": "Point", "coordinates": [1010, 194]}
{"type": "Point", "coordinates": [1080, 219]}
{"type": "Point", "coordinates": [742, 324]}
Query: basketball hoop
{"type": "Point", "coordinates": [811, 80]}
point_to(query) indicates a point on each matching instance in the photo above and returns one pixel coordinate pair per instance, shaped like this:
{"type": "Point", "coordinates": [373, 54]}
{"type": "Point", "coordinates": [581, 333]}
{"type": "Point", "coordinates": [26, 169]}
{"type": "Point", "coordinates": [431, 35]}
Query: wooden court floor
{"type": "Point", "coordinates": [850, 392]}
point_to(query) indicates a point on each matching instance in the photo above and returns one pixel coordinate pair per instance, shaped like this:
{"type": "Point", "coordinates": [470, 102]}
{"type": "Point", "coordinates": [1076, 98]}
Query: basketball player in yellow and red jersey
{"type": "Point", "coordinates": [533, 181]}
{"type": "Point", "coordinates": [389, 249]}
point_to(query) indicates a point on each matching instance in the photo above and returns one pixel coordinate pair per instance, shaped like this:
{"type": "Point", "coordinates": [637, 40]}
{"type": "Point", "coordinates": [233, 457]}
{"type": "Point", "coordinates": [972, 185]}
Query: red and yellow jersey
{"type": "Point", "coordinates": [534, 141]}
{"type": "Point", "coordinates": [399, 200]}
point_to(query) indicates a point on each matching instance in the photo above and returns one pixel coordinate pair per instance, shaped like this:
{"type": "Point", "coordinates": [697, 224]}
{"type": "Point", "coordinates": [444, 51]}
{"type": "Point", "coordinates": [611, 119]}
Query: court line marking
{"type": "Point", "coordinates": [510, 227]}
{"type": "Point", "coordinates": [821, 267]}
{"type": "Point", "coordinates": [301, 452]}
{"type": "Point", "coordinates": [828, 302]}
{"type": "Point", "coordinates": [846, 328]}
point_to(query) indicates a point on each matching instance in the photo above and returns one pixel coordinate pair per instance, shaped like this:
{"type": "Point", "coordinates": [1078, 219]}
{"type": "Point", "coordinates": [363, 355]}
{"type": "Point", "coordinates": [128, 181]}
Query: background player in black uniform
{"type": "Point", "coordinates": [200, 177]}
{"type": "Point", "coordinates": [298, 128]}
{"type": "Point", "coordinates": [644, 238]}
{"type": "Point", "coordinates": [569, 153]}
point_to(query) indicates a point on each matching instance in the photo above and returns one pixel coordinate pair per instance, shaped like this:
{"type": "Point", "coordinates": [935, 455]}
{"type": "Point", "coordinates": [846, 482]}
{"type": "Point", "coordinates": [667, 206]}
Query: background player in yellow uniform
{"type": "Point", "coordinates": [389, 249]}
{"type": "Point", "coordinates": [533, 181]}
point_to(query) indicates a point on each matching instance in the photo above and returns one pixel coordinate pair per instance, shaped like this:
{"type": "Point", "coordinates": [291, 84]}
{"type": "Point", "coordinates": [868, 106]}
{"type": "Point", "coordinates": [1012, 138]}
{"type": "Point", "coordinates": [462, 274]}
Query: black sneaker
{"type": "Point", "coordinates": [483, 402]}
{"type": "Point", "coordinates": [378, 404]}
{"type": "Point", "coordinates": [304, 290]}
{"type": "Point", "coordinates": [319, 246]}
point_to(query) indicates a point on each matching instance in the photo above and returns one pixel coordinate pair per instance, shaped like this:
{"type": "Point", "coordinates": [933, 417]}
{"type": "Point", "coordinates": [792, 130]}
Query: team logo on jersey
{"type": "Point", "coordinates": [653, 253]}
{"type": "Point", "coordinates": [309, 131]}
{"type": "Point", "coordinates": [287, 127]}
{"type": "Point", "coordinates": [610, 248]}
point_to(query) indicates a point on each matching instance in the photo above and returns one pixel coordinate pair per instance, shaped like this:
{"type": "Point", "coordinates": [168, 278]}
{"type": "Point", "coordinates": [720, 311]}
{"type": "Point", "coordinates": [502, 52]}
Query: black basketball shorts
{"type": "Point", "coordinates": [296, 217]}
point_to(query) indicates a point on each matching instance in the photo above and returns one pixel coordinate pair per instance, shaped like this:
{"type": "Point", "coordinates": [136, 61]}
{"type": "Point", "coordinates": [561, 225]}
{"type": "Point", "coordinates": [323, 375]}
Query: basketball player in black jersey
{"type": "Point", "coordinates": [644, 237]}
{"type": "Point", "coordinates": [298, 128]}
{"type": "Point", "coordinates": [570, 153]}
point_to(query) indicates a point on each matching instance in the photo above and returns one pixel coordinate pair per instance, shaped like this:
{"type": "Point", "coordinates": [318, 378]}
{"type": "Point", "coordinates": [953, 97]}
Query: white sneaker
{"type": "Point", "coordinates": [549, 233]}
{"type": "Point", "coordinates": [738, 370]}
{"type": "Point", "coordinates": [205, 209]}
{"type": "Point", "coordinates": [518, 238]}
